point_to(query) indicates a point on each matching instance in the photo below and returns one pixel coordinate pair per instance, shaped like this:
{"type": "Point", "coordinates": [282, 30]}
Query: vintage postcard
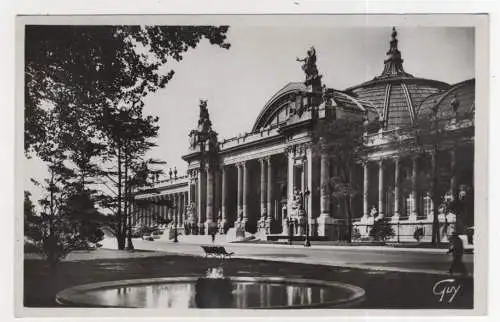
{"type": "Point", "coordinates": [265, 164]}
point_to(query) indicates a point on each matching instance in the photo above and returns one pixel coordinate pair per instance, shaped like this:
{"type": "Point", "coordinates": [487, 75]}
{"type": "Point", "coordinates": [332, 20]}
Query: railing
{"type": "Point", "coordinates": [248, 137]}
{"type": "Point", "coordinates": [405, 231]}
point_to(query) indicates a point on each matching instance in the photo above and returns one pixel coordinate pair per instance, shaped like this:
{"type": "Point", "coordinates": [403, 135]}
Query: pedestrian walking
{"type": "Point", "coordinates": [457, 250]}
{"type": "Point", "coordinates": [213, 236]}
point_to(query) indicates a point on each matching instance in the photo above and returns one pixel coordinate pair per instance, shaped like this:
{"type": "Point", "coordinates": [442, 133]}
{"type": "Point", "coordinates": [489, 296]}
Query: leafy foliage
{"type": "Point", "coordinates": [382, 230]}
{"type": "Point", "coordinates": [87, 68]}
{"type": "Point", "coordinates": [432, 132]}
{"type": "Point", "coordinates": [418, 234]}
{"type": "Point", "coordinates": [70, 222]}
{"type": "Point", "coordinates": [84, 91]}
{"type": "Point", "coordinates": [341, 140]}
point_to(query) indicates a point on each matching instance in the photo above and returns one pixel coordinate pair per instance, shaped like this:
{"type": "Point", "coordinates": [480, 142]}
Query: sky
{"type": "Point", "coordinates": [238, 82]}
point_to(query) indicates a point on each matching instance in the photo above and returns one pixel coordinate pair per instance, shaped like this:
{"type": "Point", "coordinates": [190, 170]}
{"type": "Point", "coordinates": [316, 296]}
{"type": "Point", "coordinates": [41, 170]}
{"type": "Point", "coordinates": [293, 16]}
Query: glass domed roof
{"type": "Point", "coordinates": [396, 94]}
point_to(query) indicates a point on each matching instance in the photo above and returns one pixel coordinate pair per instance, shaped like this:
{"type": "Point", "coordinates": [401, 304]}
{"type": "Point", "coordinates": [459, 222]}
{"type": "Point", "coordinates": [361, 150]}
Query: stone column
{"type": "Point", "coordinates": [178, 208]}
{"type": "Point", "coordinates": [325, 175]}
{"type": "Point", "coordinates": [263, 194]}
{"type": "Point", "coordinates": [453, 178]}
{"type": "Point", "coordinates": [210, 198]}
{"type": "Point", "coordinates": [240, 190]}
{"type": "Point", "coordinates": [291, 181]}
{"type": "Point", "coordinates": [156, 211]}
{"type": "Point", "coordinates": [181, 209]}
{"type": "Point", "coordinates": [325, 220]}
{"type": "Point", "coordinates": [415, 196]}
{"type": "Point", "coordinates": [430, 216]}
{"type": "Point", "coordinates": [223, 195]}
{"type": "Point", "coordinates": [396, 188]}
{"type": "Point", "coordinates": [199, 201]}
{"type": "Point", "coordinates": [147, 213]}
{"type": "Point", "coordinates": [186, 204]}
{"type": "Point", "coordinates": [308, 174]}
{"type": "Point", "coordinates": [366, 174]}
{"type": "Point", "coordinates": [381, 188]}
{"type": "Point", "coordinates": [245, 191]}
{"type": "Point", "coordinates": [269, 187]}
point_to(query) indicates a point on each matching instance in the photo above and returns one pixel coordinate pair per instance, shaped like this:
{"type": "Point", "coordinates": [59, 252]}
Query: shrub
{"type": "Point", "coordinates": [382, 230]}
{"type": "Point", "coordinates": [355, 233]}
{"type": "Point", "coordinates": [418, 234]}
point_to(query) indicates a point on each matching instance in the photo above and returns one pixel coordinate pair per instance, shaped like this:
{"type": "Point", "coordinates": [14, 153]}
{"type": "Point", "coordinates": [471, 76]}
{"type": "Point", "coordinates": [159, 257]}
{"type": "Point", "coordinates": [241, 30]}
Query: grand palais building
{"type": "Point", "coordinates": [268, 181]}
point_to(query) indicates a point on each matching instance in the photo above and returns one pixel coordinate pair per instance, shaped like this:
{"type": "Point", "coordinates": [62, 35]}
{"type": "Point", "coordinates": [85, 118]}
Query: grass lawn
{"type": "Point", "coordinates": [383, 289]}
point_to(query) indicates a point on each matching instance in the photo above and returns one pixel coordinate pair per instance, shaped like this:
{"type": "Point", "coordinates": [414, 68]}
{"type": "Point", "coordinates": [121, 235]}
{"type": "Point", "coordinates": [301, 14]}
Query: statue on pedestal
{"type": "Point", "coordinates": [220, 223]}
{"type": "Point", "coordinates": [309, 67]}
{"type": "Point", "coordinates": [297, 202]}
{"type": "Point", "coordinates": [191, 218]}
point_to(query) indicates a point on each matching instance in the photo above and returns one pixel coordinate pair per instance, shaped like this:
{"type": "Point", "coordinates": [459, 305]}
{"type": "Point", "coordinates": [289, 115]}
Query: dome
{"type": "Point", "coordinates": [276, 104]}
{"type": "Point", "coordinates": [396, 94]}
{"type": "Point", "coordinates": [276, 110]}
{"type": "Point", "coordinates": [456, 102]}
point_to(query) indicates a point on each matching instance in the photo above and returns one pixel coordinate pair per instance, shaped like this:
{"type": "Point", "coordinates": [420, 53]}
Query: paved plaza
{"type": "Point", "coordinates": [430, 261]}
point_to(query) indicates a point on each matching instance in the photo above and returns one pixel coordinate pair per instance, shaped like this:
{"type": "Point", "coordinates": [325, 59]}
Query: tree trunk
{"type": "Point", "coordinates": [120, 235]}
{"type": "Point", "coordinates": [435, 198]}
{"type": "Point", "coordinates": [120, 238]}
{"type": "Point", "coordinates": [128, 217]}
{"type": "Point", "coordinates": [347, 201]}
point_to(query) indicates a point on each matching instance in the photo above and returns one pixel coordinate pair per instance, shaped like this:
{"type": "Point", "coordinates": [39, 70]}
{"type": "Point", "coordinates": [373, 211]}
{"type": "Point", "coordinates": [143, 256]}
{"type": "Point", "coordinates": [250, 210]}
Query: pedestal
{"type": "Point", "coordinates": [284, 226]}
{"type": "Point", "coordinates": [221, 226]}
{"type": "Point", "coordinates": [210, 227]}
{"type": "Point", "coordinates": [237, 233]}
{"type": "Point", "coordinates": [327, 226]}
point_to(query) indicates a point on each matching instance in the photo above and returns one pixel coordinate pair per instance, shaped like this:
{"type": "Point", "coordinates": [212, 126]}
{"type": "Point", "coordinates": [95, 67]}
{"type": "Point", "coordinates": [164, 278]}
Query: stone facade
{"type": "Point", "coordinates": [268, 181]}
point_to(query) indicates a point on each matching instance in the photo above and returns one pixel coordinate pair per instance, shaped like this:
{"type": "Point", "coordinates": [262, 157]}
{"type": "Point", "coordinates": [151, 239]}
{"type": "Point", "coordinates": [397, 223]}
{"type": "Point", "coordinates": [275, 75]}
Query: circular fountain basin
{"type": "Point", "coordinates": [230, 292]}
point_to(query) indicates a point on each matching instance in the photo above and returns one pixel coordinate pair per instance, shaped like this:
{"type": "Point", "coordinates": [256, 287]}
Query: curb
{"type": "Point", "coordinates": [320, 262]}
{"type": "Point", "coordinates": [326, 247]}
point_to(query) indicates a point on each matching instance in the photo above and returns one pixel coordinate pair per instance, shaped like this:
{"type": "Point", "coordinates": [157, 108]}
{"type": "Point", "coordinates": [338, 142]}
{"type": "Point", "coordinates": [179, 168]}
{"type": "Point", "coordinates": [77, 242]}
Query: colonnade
{"type": "Point", "coordinates": [413, 209]}
{"type": "Point", "coordinates": [210, 188]}
{"type": "Point", "coordinates": [158, 214]}
{"type": "Point", "coordinates": [209, 191]}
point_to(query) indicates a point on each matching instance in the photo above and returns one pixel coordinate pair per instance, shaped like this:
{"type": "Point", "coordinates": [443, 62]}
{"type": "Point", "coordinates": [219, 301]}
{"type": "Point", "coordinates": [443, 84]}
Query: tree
{"type": "Point", "coordinates": [341, 140]}
{"type": "Point", "coordinates": [84, 90]}
{"type": "Point", "coordinates": [68, 221]}
{"type": "Point", "coordinates": [97, 66]}
{"type": "Point", "coordinates": [434, 130]}
{"type": "Point", "coordinates": [382, 230]}
{"type": "Point", "coordinates": [31, 219]}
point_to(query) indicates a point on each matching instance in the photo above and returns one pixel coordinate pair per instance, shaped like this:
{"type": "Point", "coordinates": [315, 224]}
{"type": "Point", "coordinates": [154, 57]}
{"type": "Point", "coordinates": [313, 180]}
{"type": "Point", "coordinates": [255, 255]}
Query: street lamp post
{"type": "Point", "coordinates": [307, 243]}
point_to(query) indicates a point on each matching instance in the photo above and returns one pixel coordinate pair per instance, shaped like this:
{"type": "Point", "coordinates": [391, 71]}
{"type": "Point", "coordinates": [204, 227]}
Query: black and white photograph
{"type": "Point", "coordinates": [250, 163]}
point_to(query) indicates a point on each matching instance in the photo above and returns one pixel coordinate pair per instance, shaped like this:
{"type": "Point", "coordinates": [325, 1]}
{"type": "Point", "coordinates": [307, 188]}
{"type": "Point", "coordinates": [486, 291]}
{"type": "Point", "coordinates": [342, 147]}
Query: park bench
{"type": "Point", "coordinates": [216, 251]}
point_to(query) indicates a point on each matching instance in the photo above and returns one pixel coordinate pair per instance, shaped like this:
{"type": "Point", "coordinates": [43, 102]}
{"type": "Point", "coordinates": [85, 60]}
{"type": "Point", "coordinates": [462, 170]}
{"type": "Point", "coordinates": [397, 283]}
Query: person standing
{"type": "Point", "coordinates": [213, 235]}
{"type": "Point", "coordinates": [457, 250]}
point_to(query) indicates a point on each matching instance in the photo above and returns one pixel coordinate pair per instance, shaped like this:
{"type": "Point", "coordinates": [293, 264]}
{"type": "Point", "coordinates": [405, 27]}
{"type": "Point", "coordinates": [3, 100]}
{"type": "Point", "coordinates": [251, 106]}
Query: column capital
{"type": "Point", "coordinates": [241, 164]}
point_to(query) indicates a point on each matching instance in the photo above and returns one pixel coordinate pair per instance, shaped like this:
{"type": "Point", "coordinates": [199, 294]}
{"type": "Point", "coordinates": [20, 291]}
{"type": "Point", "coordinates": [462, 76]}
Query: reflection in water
{"type": "Point", "coordinates": [229, 294]}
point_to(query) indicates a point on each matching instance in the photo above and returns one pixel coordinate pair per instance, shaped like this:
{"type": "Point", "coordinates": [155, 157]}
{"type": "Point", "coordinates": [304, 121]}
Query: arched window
{"type": "Point", "coordinates": [410, 205]}
{"type": "Point", "coordinates": [428, 206]}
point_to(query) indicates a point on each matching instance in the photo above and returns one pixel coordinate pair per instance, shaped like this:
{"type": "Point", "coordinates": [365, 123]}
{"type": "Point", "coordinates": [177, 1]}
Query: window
{"type": "Point", "coordinates": [428, 206]}
{"type": "Point", "coordinates": [410, 205]}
